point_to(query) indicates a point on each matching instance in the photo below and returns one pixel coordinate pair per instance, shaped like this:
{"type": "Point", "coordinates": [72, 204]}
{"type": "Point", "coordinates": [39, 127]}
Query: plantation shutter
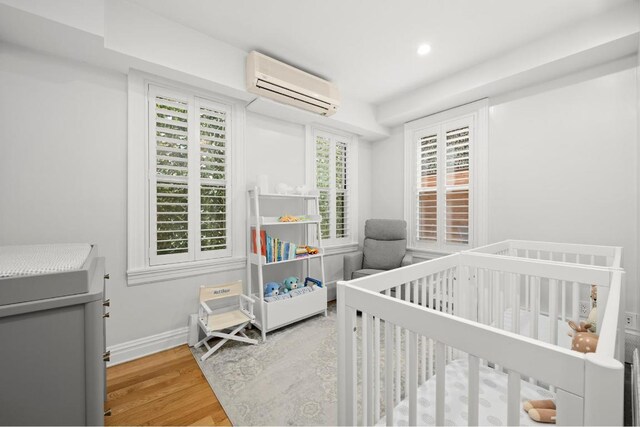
{"type": "Point", "coordinates": [214, 178]}
{"type": "Point", "coordinates": [457, 186]}
{"type": "Point", "coordinates": [189, 177]}
{"type": "Point", "coordinates": [427, 194]}
{"type": "Point", "coordinates": [442, 186]}
{"type": "Point", "coordinates": [323, 183]}
{"type": "Point", "coordinates": [169, 177]}
{"type": "Point", "coordinates": [341, 193]}
{"type": "Point", "coordinates": [333, 183]}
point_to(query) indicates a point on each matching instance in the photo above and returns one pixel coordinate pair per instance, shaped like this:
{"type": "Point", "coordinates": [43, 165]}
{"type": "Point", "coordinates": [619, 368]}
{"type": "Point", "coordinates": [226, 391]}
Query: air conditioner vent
{"type": "Point", "coordinates": [276, 80]}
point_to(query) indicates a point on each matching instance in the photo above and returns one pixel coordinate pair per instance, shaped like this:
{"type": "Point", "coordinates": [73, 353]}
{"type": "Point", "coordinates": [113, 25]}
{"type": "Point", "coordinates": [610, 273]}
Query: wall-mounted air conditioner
{"type": "Point", "coordinates": [276, 80]}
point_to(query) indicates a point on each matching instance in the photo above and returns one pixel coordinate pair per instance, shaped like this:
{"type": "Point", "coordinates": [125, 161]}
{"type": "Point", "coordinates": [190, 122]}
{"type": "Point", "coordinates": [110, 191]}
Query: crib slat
{"type": "Point", "coordinates": [412, 373]}
{"type": "Point", "coordinates": [398, 367]}
{"type": "Point", "coordinates": [536, 313]}
{"type": "Point", "coordinates": [564, 292]}
{"type": "Point", "coordinates": [388, 368]}
{"type": "Point", "coordinates": [515, 291]}
{"type": "Point", "coordinates": [575, 303]}
{"type": "Point", "coordinates": [474, 390]}
{"type": "Point", "coordinates": [407, 297]}
{"type": "Point", "coordinates": [553, 311]}
{"type": "Point", "coordinates": [366, 369]}
{"type": "Point", "coordinates": [440, 369]}
{"type": "Point", "coordinates": [388, 371]}
{"type": "Point", "coordinates": [376, 370]}
{"type": "Point", "coordinates": [513, 399]}
{"type": "Point", "coordinates": [423, 339]}
{"type": "Point", "coordinates": [351, 367]}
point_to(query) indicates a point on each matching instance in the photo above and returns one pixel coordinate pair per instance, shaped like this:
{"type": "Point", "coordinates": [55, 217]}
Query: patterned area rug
{"type": "Point", "coordinates": [289, 380]}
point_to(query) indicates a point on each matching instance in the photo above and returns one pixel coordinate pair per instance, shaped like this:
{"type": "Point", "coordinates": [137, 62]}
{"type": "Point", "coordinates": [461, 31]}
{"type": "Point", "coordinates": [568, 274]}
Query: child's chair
{"type": "Point", "coordinates": [224, 307]}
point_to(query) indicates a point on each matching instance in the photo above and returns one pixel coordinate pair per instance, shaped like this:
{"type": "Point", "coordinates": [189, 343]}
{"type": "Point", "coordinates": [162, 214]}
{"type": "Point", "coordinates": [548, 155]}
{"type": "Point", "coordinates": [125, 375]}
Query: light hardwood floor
{"type": "Point", "coordinates": [166, 388]}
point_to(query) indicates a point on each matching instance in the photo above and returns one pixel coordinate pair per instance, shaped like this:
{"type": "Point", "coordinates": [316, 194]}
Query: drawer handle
{"type": "Point", "coordinates": [106, 356]}
{"type": "Point", "coordinates": [106, 315]}
{"type": "Point", "coordinates": [107, 413]}
{"type": "Point", "coordinates": [107, 303]}
{"type": "Point", "coordinates": [106, 276]}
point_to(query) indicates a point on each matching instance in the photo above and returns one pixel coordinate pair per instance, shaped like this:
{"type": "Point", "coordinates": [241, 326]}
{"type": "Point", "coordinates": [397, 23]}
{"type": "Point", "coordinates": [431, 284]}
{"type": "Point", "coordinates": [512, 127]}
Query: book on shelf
{"type": "Point", "coordinates": [263, 242]}
{"type": "Point", "coordinates": [274, 249]}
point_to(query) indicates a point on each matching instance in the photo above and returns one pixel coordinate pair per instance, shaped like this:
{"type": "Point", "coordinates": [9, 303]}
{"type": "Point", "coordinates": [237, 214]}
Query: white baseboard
{"type": "Point", "coordinates": [135, 349]}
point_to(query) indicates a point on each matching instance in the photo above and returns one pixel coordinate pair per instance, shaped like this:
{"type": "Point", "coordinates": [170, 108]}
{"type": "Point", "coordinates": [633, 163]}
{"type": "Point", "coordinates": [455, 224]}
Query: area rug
{"type": "Point", "coordinates": [291, 379]}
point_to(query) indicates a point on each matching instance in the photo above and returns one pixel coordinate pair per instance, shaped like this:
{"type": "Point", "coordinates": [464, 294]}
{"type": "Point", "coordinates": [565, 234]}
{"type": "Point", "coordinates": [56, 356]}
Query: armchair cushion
{"type": "Point", "coordinates": [383, 254]}
{"type": "Point", "coordinates": [351, 262]}
{"type": "Point", "coordinates": [385, 229]}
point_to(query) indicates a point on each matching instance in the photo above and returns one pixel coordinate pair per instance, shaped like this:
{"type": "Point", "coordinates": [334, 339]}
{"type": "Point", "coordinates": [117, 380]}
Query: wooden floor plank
{"type": "Point", "coordinates": [166, 388]}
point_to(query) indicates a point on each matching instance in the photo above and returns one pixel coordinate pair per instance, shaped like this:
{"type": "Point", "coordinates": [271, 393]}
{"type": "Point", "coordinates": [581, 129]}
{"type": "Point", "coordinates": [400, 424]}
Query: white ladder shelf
{"type": "Point", "coordinates": [276, 314]}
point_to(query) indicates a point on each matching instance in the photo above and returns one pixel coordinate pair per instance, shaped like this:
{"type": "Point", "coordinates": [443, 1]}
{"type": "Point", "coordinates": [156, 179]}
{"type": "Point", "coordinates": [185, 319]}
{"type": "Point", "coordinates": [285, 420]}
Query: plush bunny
{"type": "Point", "coordinates": [583, 340]}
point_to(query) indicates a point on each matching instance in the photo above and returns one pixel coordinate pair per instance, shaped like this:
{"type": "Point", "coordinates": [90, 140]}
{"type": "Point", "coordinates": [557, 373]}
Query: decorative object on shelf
{"type": "Point", "coordinates": [290, 218]}
{"type": "Point", "coordinates": [283, 188]}
{"type": "Point", "coordinates": [303, 190]}
{"type": "Point", "coordinates": [291, 283]}
{"type": "Point", "coordinates": [263, 183]}
{"type": "Point", "coordinates": [311, 282]}
{"type": "Point", "coordinates": [306, 250]}
{"type": "Point", "coordinates": [271, 289]}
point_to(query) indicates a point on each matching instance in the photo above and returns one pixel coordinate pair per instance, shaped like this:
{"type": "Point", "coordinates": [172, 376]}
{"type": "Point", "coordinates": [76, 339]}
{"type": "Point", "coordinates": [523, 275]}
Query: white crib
{"type": "Point", "coordinates": [482, 315]}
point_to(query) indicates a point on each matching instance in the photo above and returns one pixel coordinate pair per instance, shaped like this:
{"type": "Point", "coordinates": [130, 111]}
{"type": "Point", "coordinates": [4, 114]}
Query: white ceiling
{"type": "Point", "coordinates": [368, 47]}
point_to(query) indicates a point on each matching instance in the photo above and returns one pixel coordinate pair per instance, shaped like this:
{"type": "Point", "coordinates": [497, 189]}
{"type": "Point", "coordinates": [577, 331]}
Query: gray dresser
{"type": "Point", "coordinates": [52, 338]}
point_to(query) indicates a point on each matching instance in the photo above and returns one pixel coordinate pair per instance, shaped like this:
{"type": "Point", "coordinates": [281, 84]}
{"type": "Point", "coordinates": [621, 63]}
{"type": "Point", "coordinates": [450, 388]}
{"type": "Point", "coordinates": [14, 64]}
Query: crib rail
{"type": "Point", "coordinates": [453, 307]}
{"type": "Point", "coordinates": [597, 255]}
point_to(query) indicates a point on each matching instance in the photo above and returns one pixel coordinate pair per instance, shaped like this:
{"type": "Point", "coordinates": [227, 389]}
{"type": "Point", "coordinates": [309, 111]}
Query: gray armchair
{"type": "Point", "coordinates": [385, 248]}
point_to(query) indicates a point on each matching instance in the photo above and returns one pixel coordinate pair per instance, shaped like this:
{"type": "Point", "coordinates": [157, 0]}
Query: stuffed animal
{"type": "Point", "coordinates": [583, 340]}
{"type": "Point", "coordinates": [291, 283]}
{"type": "Point", "coordinates": [593, 314]}
{"type": "Point", "coordinates": [544, 411]}
{"type": "Point", "coordinates": [271, 289]}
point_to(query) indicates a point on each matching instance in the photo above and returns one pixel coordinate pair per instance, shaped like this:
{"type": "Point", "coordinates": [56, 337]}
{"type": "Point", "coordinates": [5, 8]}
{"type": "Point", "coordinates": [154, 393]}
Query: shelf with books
{"type": "Point", "coordinates": [267, 247]}
{"type": "Point", "coordinates": [262, 260]}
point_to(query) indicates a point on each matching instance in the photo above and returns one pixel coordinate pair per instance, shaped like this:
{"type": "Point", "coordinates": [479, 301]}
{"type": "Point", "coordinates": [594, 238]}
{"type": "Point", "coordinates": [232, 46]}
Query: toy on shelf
{"type": "Point", "coordinates": [306, 250]}
{"type": "Point", "coordinates": [291, 283]}
{"type": "Point", "coordinates": [311, 282]}
{"type": "Point", "coordinates": [289, 218]}
{"type": "Point", "coordinates": [271, 289]}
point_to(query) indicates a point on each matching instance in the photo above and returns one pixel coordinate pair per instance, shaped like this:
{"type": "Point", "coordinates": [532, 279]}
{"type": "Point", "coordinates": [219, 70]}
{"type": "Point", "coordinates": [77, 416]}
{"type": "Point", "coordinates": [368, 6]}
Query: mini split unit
{"type": "Point", "coordinates": [273, 79]}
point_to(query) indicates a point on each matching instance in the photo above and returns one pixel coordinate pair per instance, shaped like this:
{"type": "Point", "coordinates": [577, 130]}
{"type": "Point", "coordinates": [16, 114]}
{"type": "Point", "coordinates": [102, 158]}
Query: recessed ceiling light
{"type": "Point", "coordinates": [423, 49]}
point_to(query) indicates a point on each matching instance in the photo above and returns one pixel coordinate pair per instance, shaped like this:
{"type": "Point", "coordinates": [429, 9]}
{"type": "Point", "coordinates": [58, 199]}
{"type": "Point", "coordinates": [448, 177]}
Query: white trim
{"type": "Point", "coordinates": [477, 113]}
{"type": "Point", "coordinates": [160, 273]}
{"type": "Point", "coordinates": [141, 347]}
{"type": "Point", "coordinates": [139, 269]}
{"type": "Point", "coordinates": [340, 249]}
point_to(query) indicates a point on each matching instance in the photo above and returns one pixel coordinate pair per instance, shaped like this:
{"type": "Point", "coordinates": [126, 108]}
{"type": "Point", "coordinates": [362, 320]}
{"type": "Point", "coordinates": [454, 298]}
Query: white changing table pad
{"type": "Point", "coordinates": [493, 398]}
{"type": "Point", "coordinates": [41, 259]}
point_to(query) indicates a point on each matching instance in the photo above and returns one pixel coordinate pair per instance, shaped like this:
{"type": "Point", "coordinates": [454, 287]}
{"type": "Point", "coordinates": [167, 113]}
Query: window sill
{"type": "Point", "coordinates": [430, 253]}
{"type": "Point", "coordinates": [161, 273]}
{"type": "Point", "coordinates": [340, 249]}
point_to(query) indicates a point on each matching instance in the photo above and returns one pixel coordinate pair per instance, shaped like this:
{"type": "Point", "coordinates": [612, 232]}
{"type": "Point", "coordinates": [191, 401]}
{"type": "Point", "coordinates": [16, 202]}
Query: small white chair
{"type": "Point", "coordinates": [223, 308]}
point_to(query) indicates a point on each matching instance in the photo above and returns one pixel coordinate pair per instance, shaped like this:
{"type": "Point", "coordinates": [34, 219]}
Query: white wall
{"type": "Point", "coordinates": [63, 178]}
{"type": "Point", "coordinates": [563, 164]}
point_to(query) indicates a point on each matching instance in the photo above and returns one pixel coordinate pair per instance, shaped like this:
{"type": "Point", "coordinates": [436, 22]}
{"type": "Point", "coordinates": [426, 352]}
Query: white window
{"type": "Point", "coordinates": [332, 171]}
{"type": "Point", "coordinates": [189, 165]}
{"type": "Point", "coordinates": [445, 180]}
{"type": "Point", "coordinates": [182, 206]}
